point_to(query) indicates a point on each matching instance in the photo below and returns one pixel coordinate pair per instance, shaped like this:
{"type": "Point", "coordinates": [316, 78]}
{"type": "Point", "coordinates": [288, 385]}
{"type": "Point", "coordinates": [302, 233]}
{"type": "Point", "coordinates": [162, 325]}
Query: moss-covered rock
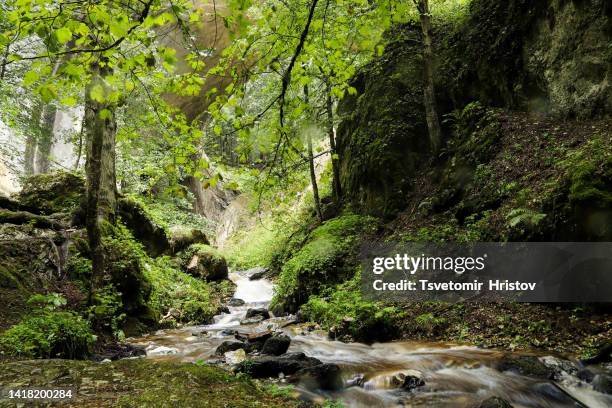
{"type": "Point", "coordinates": [205, 262]}
{"type": "Point", "coordinates": [151, 234]}
{"type": "Point", "coordinates": [513, 54]}
{"type": "Point", "coordinates": [57, 192]}
{"type": "Point", "coordinates": [125, 259]}
{"type": "Point", "coordinates": [328, 257]}
{"type": "Point", "coordinates": [382, 138]}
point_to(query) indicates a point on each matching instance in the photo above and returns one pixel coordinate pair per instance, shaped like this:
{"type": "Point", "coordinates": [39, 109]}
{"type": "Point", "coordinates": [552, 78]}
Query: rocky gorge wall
{"type": "Point", "coordinates": [548, 57]}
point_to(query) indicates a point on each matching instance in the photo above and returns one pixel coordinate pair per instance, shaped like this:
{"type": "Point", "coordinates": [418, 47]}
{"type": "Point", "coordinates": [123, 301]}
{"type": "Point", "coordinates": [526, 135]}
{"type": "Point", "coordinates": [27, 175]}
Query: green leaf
{"type": "Point", "coordinates": [30, 78]}
{"type": "Point", "coordinates": [97, 93]}
{"type": "Point", "coordinates": [63, 34]}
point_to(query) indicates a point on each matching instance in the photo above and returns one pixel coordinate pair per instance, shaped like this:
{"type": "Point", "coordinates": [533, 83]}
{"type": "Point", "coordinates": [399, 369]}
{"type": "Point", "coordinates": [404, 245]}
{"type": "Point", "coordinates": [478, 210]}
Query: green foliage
{"type": "Point", "coordinates": [429, 322]}
{"type": "Point", "coordinates": [325, 258]}
{"type": "Point", "coordinates": [48, 332]}
{"type": "Point", "coordinates": [277, 391]}
{"type": "Point", "coordinates": [524, 216]}
{"type": "Point", "coordinates": [173, 212]}
{"type": "Point", "coordinates": [333, 404]}
{"type": "Point", "coordinates": [343, 309]}
{"type": "Point", "coordinates": [106, 312]}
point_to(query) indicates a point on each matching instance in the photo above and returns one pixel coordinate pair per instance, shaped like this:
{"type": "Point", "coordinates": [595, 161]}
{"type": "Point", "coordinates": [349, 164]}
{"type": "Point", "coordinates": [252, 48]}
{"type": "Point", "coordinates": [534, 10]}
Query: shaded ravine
{"type": "Point", "coordinates": [454, 375]}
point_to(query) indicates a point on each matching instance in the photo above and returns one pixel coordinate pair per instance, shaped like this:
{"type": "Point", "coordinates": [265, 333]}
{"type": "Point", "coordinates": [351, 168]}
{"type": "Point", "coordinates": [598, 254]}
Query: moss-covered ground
{"type": "Point", "coordinates": [137, 383]}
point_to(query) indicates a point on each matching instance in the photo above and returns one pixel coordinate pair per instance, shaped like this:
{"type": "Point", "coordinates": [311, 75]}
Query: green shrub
{"type": "Point", "coordinates": [48, 332]}
{"type": "Point", "coordinates": [343, 309]}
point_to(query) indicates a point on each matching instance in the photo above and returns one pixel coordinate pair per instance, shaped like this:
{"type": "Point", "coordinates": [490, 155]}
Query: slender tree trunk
{"type": "Point", "coordinates": [79, 151]}
{"type": "Point", "coordinates": [311, 164]}
{"type": "Point", "coordinates": [31, 140]}
{"type": "Point", "coordinates": [195, 186]}
{"type": "Point", "coordinates": [100, 129]}
{"type": "Point", "coordinates": [429, 96]}
{"type": "Point", "coordinates": [46, 139]}
{"type": "Point", "coordinates": [335, 160]}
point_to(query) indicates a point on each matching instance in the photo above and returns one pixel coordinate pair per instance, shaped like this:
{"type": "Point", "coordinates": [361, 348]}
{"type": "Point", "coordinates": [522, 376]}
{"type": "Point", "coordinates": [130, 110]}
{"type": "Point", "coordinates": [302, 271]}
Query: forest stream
{"type": "Point", "coordinates": [454, 375]}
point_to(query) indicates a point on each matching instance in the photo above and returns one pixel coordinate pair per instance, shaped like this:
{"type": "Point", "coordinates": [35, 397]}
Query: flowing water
{"type": "Point", "coordinates": [454, 375]}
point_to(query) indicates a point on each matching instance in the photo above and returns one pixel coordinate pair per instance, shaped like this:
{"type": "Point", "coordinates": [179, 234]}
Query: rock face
{"type": "Point", "coordinates": [276, 345]}
{"type": "Point", "coordinates": [536, 60]}
{"type": "Point", "coordinates": [204, 262]}
{"type": "Point", "coordinates": [181, 239]}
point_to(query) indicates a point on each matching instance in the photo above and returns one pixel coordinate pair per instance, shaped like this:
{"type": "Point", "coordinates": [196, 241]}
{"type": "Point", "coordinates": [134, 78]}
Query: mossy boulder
{"type": "Point", "coordinates": [205, 262]}
{"type": "Point", "coordinates": [57, 192]}
{"type": "Point", "coordinates": [151, 234]}
{"type": "Point", "coordinates": [327, 258]}
{"type": "Point", "coordinates": [182, 238]}
{"type": "Point", "coordinates": [125, 259]}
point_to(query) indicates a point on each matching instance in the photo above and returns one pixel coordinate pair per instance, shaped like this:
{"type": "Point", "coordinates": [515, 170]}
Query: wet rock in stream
{"type": "Point", "coordinates": [494, 402]}
{"type": "Point", "coordinates": [276, 345]}
{"type": "Point", "coordinates": [602, 383]}
{"type": "Point", "coordinates": [272, 366]}
{"type": "Point", "coordinates": [529, 366]}
{"type": "Point", "coordinates": [114, 352]}
{"type": "Point", "coordinates": [258, 311]}
{"type": "Point", "coordinates": [231, 345]}
{"type": "Point", "coordinates": [321, 376]}
{"type": "Point", "coordinates": [235, 302]}
{"type": "Point", "coordinates": [408, 381]}
{"type": "Point", "coordinates": [256, 273]}
{"type": "Point", "coordinates": [251, 320]}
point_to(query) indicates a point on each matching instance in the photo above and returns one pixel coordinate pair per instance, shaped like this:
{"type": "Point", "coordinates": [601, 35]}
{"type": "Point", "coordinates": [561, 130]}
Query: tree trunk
{"type": "Point", "coordinates": [100, 129]}
{"type": "Point", "coordinates": [429, 94]}
{"type": "Point", "coordinates": [311, 164]}
{"type": "Point", "coordinates": [335, 160]}
{"type": "Point", "coordinates": [31, 140]}
{"type": "Point", "coordinates": [46, 139]}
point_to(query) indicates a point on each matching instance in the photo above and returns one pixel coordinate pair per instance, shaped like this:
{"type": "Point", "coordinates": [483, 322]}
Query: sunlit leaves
{"type": "Point", "coordinates": [63, 34]}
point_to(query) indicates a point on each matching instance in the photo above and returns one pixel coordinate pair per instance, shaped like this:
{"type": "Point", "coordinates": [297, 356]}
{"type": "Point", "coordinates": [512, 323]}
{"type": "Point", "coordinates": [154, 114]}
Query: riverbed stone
{"type": "Point", "coordinates": [408, 380]}
{"type": "Point", "coordinates": [321, 376]}
{"type": "Point", "coordinates": [117, 351]}
{"type": "Point", "coordinates": [258, 311]}
{"type": "Point", "coordinates": [256, 273]}
{"type": "Point", "coordinates": [235, 357]}
{"type": "Point", "coordinates": [494, 402]}
{"type": "Point", "coordinates": [276, 345]}
{"type": "Point", "coordinates": [272, 366]}
{"type": "Point", "coordinates": [251, 320]}
{"type": "Point", "coordinates": [602, 383]}
{"type": "Point", "coordinates": [235, 302]}
{"type": "Point", "coordinates": [230, 345]}
{"type": "Point", "coordinates": [529, 366]}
